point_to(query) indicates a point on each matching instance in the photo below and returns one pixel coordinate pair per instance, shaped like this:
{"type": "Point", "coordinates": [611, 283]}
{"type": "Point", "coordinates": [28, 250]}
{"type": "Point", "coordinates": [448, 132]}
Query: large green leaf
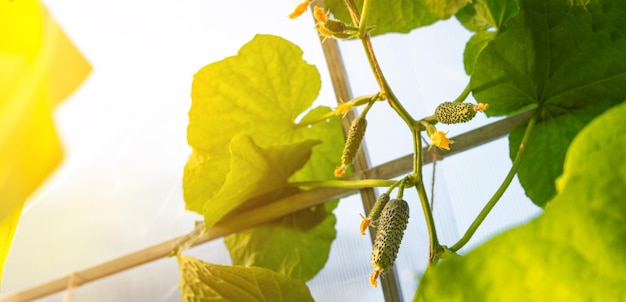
{"type": "Point", "coordinates": [259, 93]}
{"type": "Point", "coordinates": [609, 128]}
{"type": "Point", "coordinates": [201, 281]}
{"type": "Point", "coordinates": [573, 252]}
{"type": "Point", "coordinates": [566, 58]}
{"type": "Point", "coordinates": [399, 16]}
{"type": "Point", "coordinates": [296, 245]}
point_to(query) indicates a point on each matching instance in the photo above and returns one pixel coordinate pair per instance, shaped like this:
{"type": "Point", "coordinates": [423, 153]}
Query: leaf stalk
{"type": "Point", "coordinates": [363, 22]}
{"type": "Point", "coordinates": [496, 196]}
{"type": "Point", "coordinates": [421, 193]}
{"type": "Point", "coordinates": [347, 184]}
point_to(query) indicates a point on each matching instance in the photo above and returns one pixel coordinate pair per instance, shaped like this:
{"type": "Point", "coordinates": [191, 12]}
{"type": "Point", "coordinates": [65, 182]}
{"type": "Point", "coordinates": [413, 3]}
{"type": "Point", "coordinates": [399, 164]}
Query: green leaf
{"type": "Point", "coordinates": [474, 47]}
{"type": "Point", "coordinates": [258, 92]}
{"type": "Point", "coordinates": [572, 252]}
{"type": "Point", "coordinates": [547, 145]}
{"type": "Point", "coordinates": [255, 174]}
{"type": "Point", "coordinates": [610, 127]}
{"type": "Point", "coordinates": [563, 58]}
{"type": "Point", "coordinates": [327, 156]}
{"type": "Point", "coordinates": [399, 16]}
{"type": "Point", "coordinates": [297, 245]}
{"type": "Point", "coordinates": [480, 15]}
{"type": "Point", "coordinates": [201, 281]}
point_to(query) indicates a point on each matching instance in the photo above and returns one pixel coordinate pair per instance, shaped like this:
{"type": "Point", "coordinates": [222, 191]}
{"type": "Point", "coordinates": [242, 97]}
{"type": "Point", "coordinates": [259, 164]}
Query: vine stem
{"type": "Point", "coordinates": [401, 188]}
{"type": "Point", "coordinates": [385, 89]}
{"type": "Point", "coordinates": [421, 192]}
{"type": "Point", "coordinates": [348, 184]}
{"type": "Point", "coordinates": [464, 94]}
{"type": "Point", "coordinates": [354, 12]}
{"type": "Point", "coordinates": [382, 82]}
{"type": "Point", "coordinates": [363, 21]}
{"type": "Point", "coordinates": [367, 108]}
{"type": "Point", "coordinates": [317, 120]}
{"type": "Point", "coordinates": [496, 196]}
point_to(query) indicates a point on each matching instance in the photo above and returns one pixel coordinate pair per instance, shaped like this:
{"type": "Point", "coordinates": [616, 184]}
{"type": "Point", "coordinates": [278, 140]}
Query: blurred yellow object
{"type": "Point", "coordinates": [39, 67]}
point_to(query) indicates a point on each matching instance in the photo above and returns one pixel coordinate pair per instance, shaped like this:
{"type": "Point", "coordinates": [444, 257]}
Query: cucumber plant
{"type": "Point", "coordinates": [564, 59]}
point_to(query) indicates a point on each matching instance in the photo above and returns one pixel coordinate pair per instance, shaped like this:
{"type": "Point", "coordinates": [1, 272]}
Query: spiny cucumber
{"type": "Point", "coordinates": [454, 113]}
{"type": "Point", "coordinates": [353, 144]}
{"type": "Point", "coordinates": [393, 221]}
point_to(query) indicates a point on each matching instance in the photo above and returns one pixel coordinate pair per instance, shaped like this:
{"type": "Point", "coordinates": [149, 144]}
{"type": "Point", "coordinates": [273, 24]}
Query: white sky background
{"type": "Point", "coordinates": [120, 187]}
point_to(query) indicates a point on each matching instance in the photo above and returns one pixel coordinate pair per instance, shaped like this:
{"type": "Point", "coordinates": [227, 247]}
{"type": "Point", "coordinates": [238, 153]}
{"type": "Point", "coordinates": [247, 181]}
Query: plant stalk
{"type": "Point", "coordinates": [363, 22]}
{"type": "Point", "coordinates": [496, 196]}
{"type": "Point", "coordinates": [382, 82]}
{"type": "Point", "coordinates": [464, 94]}
{"type": "Point", "coordinates": [421, 192]}
{"type": "Point", "coordinates": [354, 12]}
{"type": "Point", "coordinates": [317, 120]}
{"type": "Point", "coordinates": [348, 184]}
{"type": "Point", "coordinates": [380, 78]}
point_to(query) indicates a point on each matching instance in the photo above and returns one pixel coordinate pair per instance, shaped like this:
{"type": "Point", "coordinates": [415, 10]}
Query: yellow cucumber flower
{"type": "Point", "coordinates": [440, 140]}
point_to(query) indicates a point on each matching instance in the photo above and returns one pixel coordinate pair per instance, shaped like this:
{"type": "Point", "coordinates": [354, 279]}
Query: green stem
{"type": "Point", "coordinates": [348, 184]}
{"type": "Point", "coordinates": [417, 150]}
{"type": "Point", "coordinates": [354, 13]}
{"type": "Point", "coordinates": [390, 189]}
{"type": "Point", "coordinates": [363, 22]}
{"type": "Point", "coordinates": [317, 120]}
{"type": "Point", "coordinates": [366, 99]}
{"type": "Point", "coordinates": [401, 188]}
{"type": "Point", "coordinates": [494, 199]}
{"type": "Point", "coordinates": [464, 94]}
{"type": "Point", "coordinates": [382, 82]}
{"type": "Point", "coordinates": [421, 192]}
{"type": "Point", "coordinates": [367, 108]}
{"type": "Point", "coordinates": [380, 78]}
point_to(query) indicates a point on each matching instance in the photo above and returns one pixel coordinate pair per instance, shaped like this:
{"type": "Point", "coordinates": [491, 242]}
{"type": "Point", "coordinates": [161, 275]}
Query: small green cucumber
{"type": "Point", "coordinates": [353, 142]}
{"type": "Point", "coordinates": [454, 113]}
{"type": "Point", "coordinates": [393, 221]}
{"type": "Point", "coordinates": [374, 215]}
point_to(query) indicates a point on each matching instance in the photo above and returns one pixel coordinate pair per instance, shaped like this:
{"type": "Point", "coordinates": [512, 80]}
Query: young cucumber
{"type": "Point", "coordinates": [391, 226]}
{"type": "Point", "coordinates": [454, 113]}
